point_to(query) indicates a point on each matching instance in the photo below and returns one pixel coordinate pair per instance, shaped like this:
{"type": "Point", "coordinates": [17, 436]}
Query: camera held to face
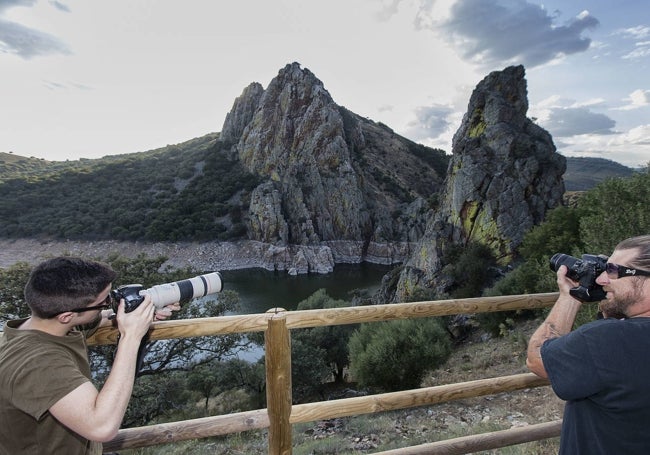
{"type": "Point", "coordinates": [584, 271]}
{"type": "Point", "coordinates": [168, 293]}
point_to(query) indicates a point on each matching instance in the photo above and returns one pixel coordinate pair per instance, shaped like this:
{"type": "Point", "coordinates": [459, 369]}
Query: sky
{"type": "Point", "coordinates": [89, 78]}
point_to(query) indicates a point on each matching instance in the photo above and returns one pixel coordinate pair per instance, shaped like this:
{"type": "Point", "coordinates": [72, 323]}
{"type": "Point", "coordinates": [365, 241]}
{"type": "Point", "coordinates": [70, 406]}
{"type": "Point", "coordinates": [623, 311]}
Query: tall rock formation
{"type": "Point", "coordinates": [503, 176]}
{"type": "Point", "coordinates": [329, 175]}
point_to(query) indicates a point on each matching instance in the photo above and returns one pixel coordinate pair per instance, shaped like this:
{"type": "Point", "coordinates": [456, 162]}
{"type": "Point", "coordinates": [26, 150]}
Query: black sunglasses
{"type": "Point", "coordinates": [105, 305]}
{"type": "Point", "coordinates": [620, 271]}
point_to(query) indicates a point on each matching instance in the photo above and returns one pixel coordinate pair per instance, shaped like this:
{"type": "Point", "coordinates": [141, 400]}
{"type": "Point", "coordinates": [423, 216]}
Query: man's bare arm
{"type": "Point", "coordinates": [558, 322]}
{"type": "Point", "coordinates": [97, 415]}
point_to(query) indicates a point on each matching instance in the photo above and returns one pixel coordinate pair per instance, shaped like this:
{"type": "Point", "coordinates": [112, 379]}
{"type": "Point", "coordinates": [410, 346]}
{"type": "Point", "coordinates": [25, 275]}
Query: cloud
{"type": "Point", "coordinates": [388, 10]}
{"type": "Point", "coordinates": [430, 122]}
{"type": "Point", "coordinates": [641, 45]}
{"type": "Point", "coordinates": [573, 121]}
{"type": "Point", "coordinates": [638, 32]}
{"type": "Point", "coordinates": [637, 99]}
{"type": "Point", "coordinates": [60, 6]}
{"type": "Point", "coordinates": [54, 85]}
{"type": "Point", "coordinates": [6, 4]}
{"type": "Point", "coordinates": [501, 32]}
{"type": "Point", "coordinates": [631, 148]}
{"type": "Point", "coordinates": [639, 135]}
{"type": "Point", "coordinates": [24, 41]}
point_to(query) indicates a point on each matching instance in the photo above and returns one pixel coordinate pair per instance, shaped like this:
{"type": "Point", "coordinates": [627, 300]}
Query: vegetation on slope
{"type": "Point", "coordinates": [181, 192]}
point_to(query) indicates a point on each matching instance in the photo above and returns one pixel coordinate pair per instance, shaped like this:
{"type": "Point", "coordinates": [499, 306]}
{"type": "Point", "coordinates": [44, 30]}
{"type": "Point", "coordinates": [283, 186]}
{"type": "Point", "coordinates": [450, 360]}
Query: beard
{"type": "Point", "coordinates": [618, 306]}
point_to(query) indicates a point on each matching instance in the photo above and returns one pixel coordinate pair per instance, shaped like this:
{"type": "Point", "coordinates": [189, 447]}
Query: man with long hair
{"type": "Point", "coordinates": [601, 369]}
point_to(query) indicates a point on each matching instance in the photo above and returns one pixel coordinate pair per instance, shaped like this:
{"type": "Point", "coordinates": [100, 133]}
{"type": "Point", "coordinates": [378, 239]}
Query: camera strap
{"type": "Point", "coordinates": [142, 352]}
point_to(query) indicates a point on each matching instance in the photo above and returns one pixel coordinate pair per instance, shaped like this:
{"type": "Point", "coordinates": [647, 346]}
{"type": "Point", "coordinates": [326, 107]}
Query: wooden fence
{"type": "Point", "coordinates": [280, 414]}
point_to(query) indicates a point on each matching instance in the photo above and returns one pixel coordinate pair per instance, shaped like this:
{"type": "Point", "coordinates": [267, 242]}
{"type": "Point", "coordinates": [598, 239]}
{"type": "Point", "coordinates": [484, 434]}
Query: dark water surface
{"type": "Point", "coordinates": [260, 290]}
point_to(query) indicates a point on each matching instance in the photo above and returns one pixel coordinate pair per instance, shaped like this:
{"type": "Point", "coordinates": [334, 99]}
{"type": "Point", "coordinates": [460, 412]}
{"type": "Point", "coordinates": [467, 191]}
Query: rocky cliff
{"type": "Point", "coordinates": [503, 176]}
{"type": "Point", "coordinates": [328, 174]}
{"type": "Point", "coordinates": [296, 182]}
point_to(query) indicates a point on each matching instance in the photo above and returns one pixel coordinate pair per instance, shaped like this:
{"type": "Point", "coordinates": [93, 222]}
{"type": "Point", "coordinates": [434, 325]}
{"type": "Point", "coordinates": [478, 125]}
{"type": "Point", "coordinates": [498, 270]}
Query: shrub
{"type": "Point", "coordinates": [395, 355]}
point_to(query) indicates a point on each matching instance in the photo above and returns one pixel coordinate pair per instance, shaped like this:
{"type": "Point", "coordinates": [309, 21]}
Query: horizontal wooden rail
{"type": "Point", "coordinates": [204, 427]}
{"type": "Point", "coordinates": [259, 419]}
{"type": "Point", "coordinates": [324, 410]}
{"type": "Point", "coordinates": [223, 325]}
{"type": "Point", "coordinates": [243, 421]}
{"type": "Point", "coordinates": [484, 441]}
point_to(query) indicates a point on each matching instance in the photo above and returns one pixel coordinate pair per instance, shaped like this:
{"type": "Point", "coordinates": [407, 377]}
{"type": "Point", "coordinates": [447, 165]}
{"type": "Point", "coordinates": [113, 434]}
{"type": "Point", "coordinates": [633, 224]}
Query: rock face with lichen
{"type": "Point", "coordinates": [329, 175]}
{"type": "Point", "coordinates": [503, 177]}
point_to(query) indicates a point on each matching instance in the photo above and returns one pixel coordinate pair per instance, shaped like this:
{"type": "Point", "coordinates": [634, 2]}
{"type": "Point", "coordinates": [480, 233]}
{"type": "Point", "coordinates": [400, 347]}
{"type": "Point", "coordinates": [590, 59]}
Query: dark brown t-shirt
{"type": "Point", "coordinates": [37, 370]}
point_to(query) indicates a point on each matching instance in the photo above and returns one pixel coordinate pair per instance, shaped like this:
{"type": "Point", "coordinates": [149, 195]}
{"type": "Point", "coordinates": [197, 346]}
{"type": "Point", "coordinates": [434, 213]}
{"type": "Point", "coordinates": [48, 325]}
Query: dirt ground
{"type": "Point", "coordinates": [482, 358]}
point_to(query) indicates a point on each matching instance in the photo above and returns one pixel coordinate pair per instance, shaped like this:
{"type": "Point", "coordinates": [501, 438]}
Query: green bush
{"type": "Point", "coordinates": [616, 209]}
{"type": "Point", "coordinates": [332, 340]}
{"type": "Point", "coordinates": [395, 355]}
{"type": "Point", "coordinates": [471, 268]}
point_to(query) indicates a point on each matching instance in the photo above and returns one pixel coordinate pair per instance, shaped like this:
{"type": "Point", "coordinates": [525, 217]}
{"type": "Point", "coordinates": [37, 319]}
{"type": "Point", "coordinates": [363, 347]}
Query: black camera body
{"type": "Point", "coordinates": [584, 271]}
{"type": "Point", "coordinates": [131, 295]}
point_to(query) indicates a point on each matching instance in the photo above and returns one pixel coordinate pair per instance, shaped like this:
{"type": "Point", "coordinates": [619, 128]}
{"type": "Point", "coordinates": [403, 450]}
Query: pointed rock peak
{"type": "Point", "coordinates": [501, 97]}
{"type": "Point", "coordinates": [291, 92]}
{"type": "Point", "coordinates": [296, 83]}
{"type": "Point", "coordinates": [241, 113]}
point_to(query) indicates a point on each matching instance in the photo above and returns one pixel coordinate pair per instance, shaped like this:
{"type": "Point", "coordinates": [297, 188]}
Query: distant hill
{"type": "Point", "coordinates": [584, 173]}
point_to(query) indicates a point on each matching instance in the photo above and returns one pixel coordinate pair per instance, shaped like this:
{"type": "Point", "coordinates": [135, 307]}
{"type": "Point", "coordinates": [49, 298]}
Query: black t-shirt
{"type": "Point", "coordinates": [602, 370]}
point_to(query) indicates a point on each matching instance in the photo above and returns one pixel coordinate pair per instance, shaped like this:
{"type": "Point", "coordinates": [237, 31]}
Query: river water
{"type": "Point", "coordinates": [260, 290]}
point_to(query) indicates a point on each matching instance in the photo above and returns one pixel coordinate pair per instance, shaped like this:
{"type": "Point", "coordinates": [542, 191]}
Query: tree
{"type": "Point", "coordinates": [333, 340]}
{"type": "Point", "coordinates": [559, 233]}
{"type": "Point", "coordinates": [154, 396]}
{"type": "Point", "coordinates": [471, 268]}
{"type": "Point", "coordinates": [211, 379]}
{"type": "Point", "coordinates": [614, 210]}
{"type": "Point", "coordinates": [12, 284]}
{"type": "Point", "coordinates": [395, 355]}
{"type": "Point", "coordinates": [206, 380]}
{"type": "Point", "coordinates": [309, 371]}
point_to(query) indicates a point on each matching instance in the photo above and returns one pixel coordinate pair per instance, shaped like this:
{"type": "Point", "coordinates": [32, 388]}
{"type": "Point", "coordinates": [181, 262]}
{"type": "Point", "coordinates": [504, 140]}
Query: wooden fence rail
{"type": "Point", "coordinates": [280, 414]}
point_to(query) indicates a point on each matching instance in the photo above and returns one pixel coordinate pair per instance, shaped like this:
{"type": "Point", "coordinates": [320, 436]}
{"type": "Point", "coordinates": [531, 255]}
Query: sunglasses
{"type": "Point", "coordinates": [104, 305]}
{"type": "Point", "coordinates": [620, 271]}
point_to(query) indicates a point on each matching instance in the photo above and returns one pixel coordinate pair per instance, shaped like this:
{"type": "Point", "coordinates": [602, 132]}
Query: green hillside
{"type": "Point", "coordinates": [186, 191]}
{"type": "Point", "coordinates": [584, 173]}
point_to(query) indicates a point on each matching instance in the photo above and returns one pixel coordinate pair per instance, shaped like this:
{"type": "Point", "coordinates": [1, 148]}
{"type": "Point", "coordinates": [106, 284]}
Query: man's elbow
{"type": "Point", "coordinates": [102, 433]}
{"type": "Point", "coordinates": [537, 367]}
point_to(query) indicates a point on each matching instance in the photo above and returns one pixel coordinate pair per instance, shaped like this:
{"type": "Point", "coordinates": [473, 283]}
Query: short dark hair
{"type": "Point", "coordinates": [642, 245]}
{"type": "Point", "coordinates": [63, 283]}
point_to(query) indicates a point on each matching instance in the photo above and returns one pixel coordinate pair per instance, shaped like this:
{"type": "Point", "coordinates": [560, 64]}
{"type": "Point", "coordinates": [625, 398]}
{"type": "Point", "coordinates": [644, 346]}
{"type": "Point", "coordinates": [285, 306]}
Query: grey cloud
{"type": "Point", "coordinates": [54, 85]}
{"type": "Point", "coordinates": [565, 122]}
{"type": "Point", "coordinates": [430, 122]}
{"type": "Point", "coordinates": [24, 41]}
{"type": "Point", "coordinates": [491, 32]}
{"type": "Point", "coordinates": [6, 4]}
{"type": "Point", "coordinates": [27, 42]}
{"type": "Point", "coordinates": [388, 10]}
{"type": "Point", "coordinates": [60, 6]}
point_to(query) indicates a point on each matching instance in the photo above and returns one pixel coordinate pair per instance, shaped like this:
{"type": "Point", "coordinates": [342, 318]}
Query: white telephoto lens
{"type": "Point", "coordinates": [184, 290]}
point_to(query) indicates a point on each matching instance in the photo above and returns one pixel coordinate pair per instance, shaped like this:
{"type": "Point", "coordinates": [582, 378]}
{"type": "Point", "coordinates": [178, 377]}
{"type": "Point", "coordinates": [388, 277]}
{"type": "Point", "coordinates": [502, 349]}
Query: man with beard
{"type": "Point", "coordinates": [601, 369]}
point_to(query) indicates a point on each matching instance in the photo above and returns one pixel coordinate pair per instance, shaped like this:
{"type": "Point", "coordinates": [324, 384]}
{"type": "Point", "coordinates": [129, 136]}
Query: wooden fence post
{"type": "Point", "coordinates": [277, 343]}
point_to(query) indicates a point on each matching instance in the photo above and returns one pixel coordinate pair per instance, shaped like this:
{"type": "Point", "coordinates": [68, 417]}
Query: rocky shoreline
{"type": "Point", "coordinates": [207, 256]}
